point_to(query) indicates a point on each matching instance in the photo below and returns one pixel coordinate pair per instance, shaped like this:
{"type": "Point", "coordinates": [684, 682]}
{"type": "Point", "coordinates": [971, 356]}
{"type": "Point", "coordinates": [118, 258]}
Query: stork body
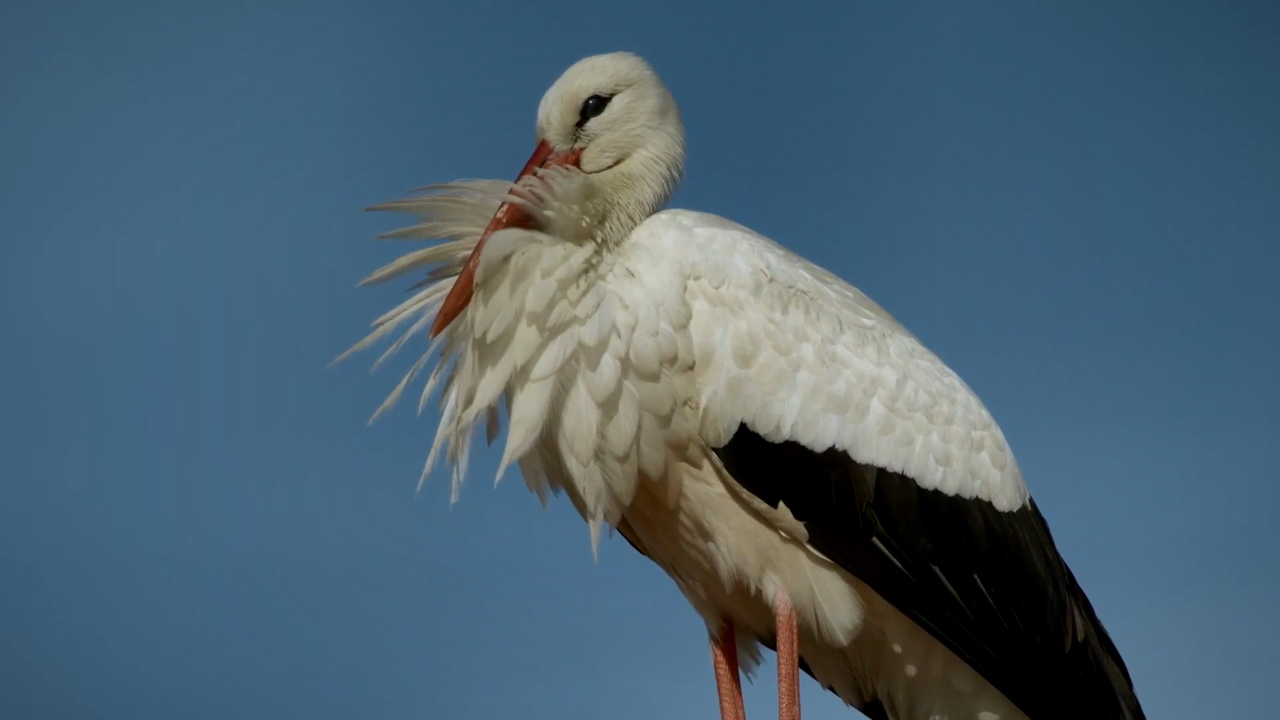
{"type": "Point", "coordinates": [812, 478]}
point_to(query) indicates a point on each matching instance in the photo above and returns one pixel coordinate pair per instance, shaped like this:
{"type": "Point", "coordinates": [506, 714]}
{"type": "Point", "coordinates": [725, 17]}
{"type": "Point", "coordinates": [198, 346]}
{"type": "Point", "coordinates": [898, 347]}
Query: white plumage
{"type": "Point", "coordinates": [628, 346]}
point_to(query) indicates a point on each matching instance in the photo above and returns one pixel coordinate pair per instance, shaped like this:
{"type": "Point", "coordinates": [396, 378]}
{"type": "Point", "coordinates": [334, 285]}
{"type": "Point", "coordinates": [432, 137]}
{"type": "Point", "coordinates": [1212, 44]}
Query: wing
{"type": "Point", "coordinates": [814, 397]}
{"type": "Point", "coordinates": [987, 583]}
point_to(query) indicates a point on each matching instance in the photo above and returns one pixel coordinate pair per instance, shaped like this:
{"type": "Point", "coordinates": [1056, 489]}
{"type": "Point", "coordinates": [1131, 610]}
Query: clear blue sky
{"type": "Point", "coordinates": [1075, 204]}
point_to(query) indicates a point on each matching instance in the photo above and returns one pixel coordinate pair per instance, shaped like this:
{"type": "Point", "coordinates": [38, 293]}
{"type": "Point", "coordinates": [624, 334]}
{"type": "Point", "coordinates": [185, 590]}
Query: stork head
{"type": "Point", "coordinates": [611, 117]}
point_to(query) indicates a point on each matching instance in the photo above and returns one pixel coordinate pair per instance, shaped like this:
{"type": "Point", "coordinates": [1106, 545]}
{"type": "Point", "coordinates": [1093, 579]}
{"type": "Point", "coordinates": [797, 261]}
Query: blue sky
{"type": "Point", "coordinates": [1074, 204]}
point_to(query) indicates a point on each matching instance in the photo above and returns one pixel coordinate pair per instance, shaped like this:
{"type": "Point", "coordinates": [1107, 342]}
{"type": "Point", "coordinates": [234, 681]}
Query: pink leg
{"type": "Point", "coordinates": [788, 639]}
{"type": "Point", "coordinates": [724, 656]}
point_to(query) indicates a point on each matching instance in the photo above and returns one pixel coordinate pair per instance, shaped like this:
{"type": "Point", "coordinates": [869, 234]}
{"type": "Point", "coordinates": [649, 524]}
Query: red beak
{"type": "Point", "coordinates": [507, 216]}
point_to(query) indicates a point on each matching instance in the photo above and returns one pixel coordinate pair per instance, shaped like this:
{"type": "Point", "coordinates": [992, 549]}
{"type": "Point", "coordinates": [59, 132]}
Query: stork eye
{"type": "Point", "coordinates": [592, 107]}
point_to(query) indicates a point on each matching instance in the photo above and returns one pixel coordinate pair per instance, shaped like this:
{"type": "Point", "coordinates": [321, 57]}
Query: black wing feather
{"type": "Point", "coordinates": [1009, 605]}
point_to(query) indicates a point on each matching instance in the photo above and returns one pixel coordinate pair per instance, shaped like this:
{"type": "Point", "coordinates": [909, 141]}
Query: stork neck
{"type": "Point", "coordinates": [634, 190]}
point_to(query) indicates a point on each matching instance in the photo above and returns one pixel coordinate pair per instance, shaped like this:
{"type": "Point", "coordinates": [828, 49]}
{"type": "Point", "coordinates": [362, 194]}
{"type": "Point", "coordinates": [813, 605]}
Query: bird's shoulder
{"type": "Point", "coordinates": [733, 257]}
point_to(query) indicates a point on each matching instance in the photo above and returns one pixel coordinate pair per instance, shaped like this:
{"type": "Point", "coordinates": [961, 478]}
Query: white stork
{"type": "Point", "coordinates": [812, 478]}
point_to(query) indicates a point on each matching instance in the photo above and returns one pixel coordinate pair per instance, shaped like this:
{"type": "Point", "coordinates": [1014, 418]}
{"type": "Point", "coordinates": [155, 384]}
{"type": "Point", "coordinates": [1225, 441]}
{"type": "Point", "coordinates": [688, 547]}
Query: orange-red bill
{"type": "Point", "coordinates": [507, 216]}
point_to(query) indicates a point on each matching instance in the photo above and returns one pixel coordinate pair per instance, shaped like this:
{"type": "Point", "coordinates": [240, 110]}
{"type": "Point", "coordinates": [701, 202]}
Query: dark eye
{"type": "Point", "coordinates": [592, 107]}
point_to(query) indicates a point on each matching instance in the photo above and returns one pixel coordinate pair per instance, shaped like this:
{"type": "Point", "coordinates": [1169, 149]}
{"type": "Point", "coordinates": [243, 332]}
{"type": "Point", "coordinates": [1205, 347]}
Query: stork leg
{"type": "Point", "coordinates": [724, 656]}
{"type": "Point", "coordinates": [788, 643]}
